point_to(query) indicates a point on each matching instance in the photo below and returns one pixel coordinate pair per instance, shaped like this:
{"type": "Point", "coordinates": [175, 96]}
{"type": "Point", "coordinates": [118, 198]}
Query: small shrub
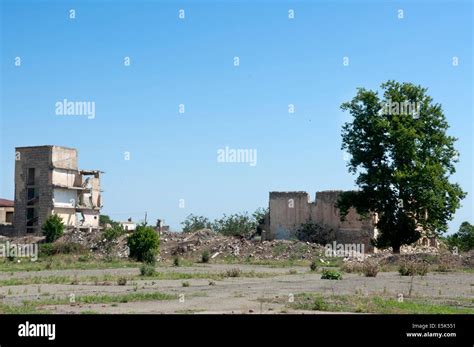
{"type": "Point", "coordinates": [351, 267]}
{"type": "Point", "coordinates": [113, 233]}
{"type": "Point", "coordinates": [370, 268]}
{"type": "Point", "coordinates": [235, 272]}
{"type": "Point", "coordinates": [144, 244]}
{"type": "Point", "coordinates": [205, 256]}
{"type": "Point", "coordinates": [331, 275]}
{"type": "Point", "coordinates": [121, 281]}
{"type": "Point", "coordinates": [313, 266]}
{"type": "Point", "coordinates": [422, 268]}
{"type": "Point", "coordinates": [185, 284]}
{"type": "Point", "coordinates": [49, 264]}
{"type": "Point", "coordinates": [147, 269]}
{"type": "Point", "coordinates": [177, 261]}
{"type": "Point", "coordinates": [69, 248]}
{"type": "Point", "coordinates": [84, 258]}
{"type": "Point", "coordinates": [412, 268]}
{"type": "Point", "coordinates": [53, 228]}
{"type": "Point", "coordinates": [312, 232]}
{"type": "Point", "coordinates": [444, 267]}
{"type": "Point", "coordinates": [319, 304]}
{"type": "Point", "coordinates": [46, 249]}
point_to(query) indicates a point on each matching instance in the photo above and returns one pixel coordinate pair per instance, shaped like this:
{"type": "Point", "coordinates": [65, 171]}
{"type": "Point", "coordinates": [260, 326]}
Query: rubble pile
{"type": "Point", "coordinates": [95, 242]}
{"type": "Point", "coordinates": [192, 245]}
{"type": "Point", "coordinates": [441, 258]}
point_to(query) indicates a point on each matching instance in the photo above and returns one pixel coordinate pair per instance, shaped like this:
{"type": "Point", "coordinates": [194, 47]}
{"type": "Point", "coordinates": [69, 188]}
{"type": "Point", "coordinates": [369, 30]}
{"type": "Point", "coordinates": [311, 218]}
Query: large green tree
{"type": "Point", "coordinates": [402, 156]}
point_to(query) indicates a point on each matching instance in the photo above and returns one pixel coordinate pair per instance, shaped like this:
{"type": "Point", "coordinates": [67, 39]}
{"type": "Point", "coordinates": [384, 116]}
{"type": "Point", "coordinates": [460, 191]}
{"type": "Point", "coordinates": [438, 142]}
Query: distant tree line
{"type": "Point", "coordinates": [237, 224]}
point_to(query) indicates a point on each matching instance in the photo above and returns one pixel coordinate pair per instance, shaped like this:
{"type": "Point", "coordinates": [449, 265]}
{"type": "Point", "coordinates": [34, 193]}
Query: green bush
{"type": "Point", "coordinates": [205, 256]}
{"type": "Point", "coordinates": [319, 304]}
{"type": "Point", "coordinates": [313, 266]}
{"type": "Point", "coordinates": [121, 281]}
{"type": "Point", "coordinates": [144, 244]}
{"type": "Point", "coordinates": [104, 220]}
{"type": "Point", "coordinates": [260, 215]}
{"type": "Point", "coordinates": [331, 275]}
{"type": "Point", "coordinates": [69, 248]}
{"type": "Point", "coordinates": [176, 261]}
{"type": "Point", "coordinates": [193, 223]}
{"type": "Point", "coordinates": [238, 224]}
{"type": "Point", "coordinates": [46, 249]}
{"type": "Point", "coordinates": [113, 233]}
{"type": "Point", "coordinates": [463, 239]}
{"type": "Point", "coordinates": [147, 269]}
{"type": "Point", "coordinates": [50, 249]}
{"type": "Point", "coordinates": [53, 228]}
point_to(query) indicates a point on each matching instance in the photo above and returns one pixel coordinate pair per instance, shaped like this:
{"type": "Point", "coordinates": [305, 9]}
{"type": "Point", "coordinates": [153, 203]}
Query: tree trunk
{"type": "Point", "coordinates": [396, 249]}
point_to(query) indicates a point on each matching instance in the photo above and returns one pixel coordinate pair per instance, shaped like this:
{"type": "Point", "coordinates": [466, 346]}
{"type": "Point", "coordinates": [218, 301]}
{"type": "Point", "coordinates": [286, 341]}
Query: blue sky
{"type": "Point", "coordinates": [191, 62]}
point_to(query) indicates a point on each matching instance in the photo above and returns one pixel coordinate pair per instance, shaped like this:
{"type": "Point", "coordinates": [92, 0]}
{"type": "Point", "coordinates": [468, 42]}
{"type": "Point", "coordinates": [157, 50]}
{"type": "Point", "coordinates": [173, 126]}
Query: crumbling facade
{"type": "Point", "coordinates": [6, 211]}
{"type": "Point", "coordinates": [48, 181]}
{"type": "Point", "coordinates": [289, 210]}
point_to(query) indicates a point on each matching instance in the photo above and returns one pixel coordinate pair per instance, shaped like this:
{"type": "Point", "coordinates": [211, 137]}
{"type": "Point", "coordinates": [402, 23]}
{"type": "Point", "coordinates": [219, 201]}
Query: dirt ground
{"type": "Point", "coordinates": [267, 290]}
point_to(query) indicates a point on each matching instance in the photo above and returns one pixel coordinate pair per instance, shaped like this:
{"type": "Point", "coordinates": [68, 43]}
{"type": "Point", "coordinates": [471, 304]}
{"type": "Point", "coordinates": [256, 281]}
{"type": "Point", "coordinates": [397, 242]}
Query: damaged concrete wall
{"type": "Point", "coordinates": [33, 190]}
{"type": "Point", "coordinates": [288, 210]}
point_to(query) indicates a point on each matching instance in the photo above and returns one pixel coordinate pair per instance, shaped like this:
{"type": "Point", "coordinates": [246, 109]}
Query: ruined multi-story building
{"type": "Point", "coordinates": [289, 210]}
{"type": "Point", "coordinates": [48, 181]}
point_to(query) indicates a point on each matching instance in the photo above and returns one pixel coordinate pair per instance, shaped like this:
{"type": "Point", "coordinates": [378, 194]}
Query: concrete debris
{"type": "Point", "coordinates": [192, 245]}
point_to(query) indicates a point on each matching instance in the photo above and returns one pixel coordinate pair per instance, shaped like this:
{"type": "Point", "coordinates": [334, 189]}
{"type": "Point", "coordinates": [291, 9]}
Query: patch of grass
{"type": "Point", "coordinates": [64, 262]}
{"type": "Point", "coordinates": [185, 284]}
{"type": "Point", "coordinates": [444, 267]}
{"type": "Point", "coordinates": [25, 308]}
{"type": "Point", "coordinates": [205, 257]}
{"type": "Point", "coordinates": [281, 263]}
{"type": "Point", "coordinates": [147, 270]}
{"type": "Point", "coordinates": [235, 272]}
{"type": "Point", "coordinates": [412, 268]}
{"type": "Point", "coordinates": [121, 281]}
{"type": "Point", "coordinates": [374, 304]}
{"type": "Point", "coordinates": [177, 261]}
{"type": "Point", "coordinates": [110, 279]}
{"type": "Point", "coordinates": [331, 275]}
{"type": "Point", "coordinates": [319, 304]}
{"type": "Point", "coordinates": [107, 299]}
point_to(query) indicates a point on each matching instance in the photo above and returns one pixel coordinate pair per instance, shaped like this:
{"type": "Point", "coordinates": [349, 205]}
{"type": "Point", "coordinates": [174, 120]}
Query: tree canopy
{"type": "Point", "coordinates": [403, 158]}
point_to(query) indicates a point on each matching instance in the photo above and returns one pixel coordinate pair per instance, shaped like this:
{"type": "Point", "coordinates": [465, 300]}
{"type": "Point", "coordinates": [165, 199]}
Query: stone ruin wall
{"type": "Point", "coordinates": [288, 210]}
